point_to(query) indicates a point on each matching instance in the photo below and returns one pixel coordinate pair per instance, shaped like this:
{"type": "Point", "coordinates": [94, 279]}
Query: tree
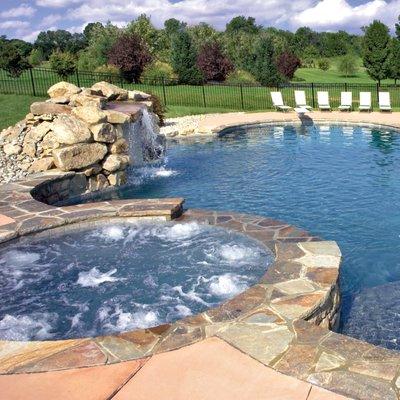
{"type": "Point", "coordinates": [242, 24]}
{"type": "Point", "coordinates": [376, 50]}
{"type": "Point", "coordinates": [36, 57]}
{"type": "Point", "coordinates": [239, 48]}
{"type": "Point", "coordinates": [214, 65]}
{"type": "Point", "coordinates": [184, 58]}
{"type": "Point", "coordinates": [348, 65]}
{"type": "Point", "coordinates": [11, 59]}
{"type": "Point", "coordinates": [50, 41]}
{"type": "Point", "coordinates": [394, 60]}
{"type": "Point", "coordinates": [264, 68]}
{"type": "Point", "coordinates": [63, 63]}
{"type": "Point", "coordinates": [203, 33]}
{"type": "Point", "coordinates": [310, 53]}
{"type": "Point", "coordinates": [173, 25]}
{"type": "Point", "coordinates": [90, 29]}
{"type": "Point", "coordinates": [130, 54]}
{"type": "Point", "coordinates": [323, 64]}
{"type": "Point", "coordinates": [287, 64]}
{"type": "Point", "coordinates": [397, 28]}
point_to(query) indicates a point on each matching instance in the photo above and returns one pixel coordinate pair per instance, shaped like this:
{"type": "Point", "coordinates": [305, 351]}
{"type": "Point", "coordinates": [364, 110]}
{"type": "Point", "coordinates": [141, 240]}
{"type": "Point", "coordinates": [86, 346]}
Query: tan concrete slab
{"type": "Point", "coordinates": [4, 220]}
{"type": "Point", "coordinates": [96, 383]}
{"type": "Point", "coordinates": [210, 370]}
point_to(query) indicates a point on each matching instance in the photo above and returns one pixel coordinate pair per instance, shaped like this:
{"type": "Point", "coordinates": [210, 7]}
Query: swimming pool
{"type": "Point", "coordinates": [340, 182]}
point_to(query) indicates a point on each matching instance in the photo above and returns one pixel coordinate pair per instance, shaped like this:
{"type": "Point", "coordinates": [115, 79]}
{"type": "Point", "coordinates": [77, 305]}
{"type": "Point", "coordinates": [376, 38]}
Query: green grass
{"type": "Point", "coordinates": [13, 108]}
{"type": "Point", "coordinates": [332, 75]}
{"type": "Point", "coordinates": [181, 111]}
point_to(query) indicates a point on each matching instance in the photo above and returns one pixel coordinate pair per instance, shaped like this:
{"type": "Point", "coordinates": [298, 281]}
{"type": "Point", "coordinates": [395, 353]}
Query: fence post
{"type": "Point", "coordinates": [377, 92]}
{"type": "Point", "coordinates": [313, 95]}
{"type": "Point", "coordinates": [164, 93]}
{"type": "Point", "coordinates": [241, 96]}
{"type": "Point", "coordinates": [345, 86]}
{"type": "Point", "coordinates": [204, 96]}
{"type": "Point", "coordinates": [77, 78]}
{"type": "Point", "coordinates": [32, 82]}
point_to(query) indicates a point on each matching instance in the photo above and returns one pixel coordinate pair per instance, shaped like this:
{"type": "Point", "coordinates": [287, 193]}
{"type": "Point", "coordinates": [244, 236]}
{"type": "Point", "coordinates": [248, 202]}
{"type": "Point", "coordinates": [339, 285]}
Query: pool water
{"type": "Point", "coordinates": [101, 280]}
{"type": "Point", "coordinates": [339, 182]}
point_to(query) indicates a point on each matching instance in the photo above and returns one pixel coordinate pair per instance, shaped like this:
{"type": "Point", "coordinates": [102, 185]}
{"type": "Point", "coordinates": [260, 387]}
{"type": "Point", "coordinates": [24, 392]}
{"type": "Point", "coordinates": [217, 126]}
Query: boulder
{"type": "Point", "coordinates": [70, 130]}
{"type": "Point", "coordinates": [63, 89]}
{"type": "Point", "coordinates": [79, 156]}
{"type": "Point", "coordinates": [13, 132]}
{"type": "Point", "coordinates": [98, 182]}
{"type": "Point", "coordinates": [104, 133]}
{"type": "Point", "coordinates": [44, 107]}
{"type": "Point", "coordinates": [118, 178]}
{"type": "Point", "coordinates": [59, 100]}
{"type": "Point", "coordinates": [89, 114]}
{"type": "Point", "coordinates": [117, 117]}
{"type": "Point", "coordinates": [109, 90]}
{"type": "Point", "coordinates": [115, 162]}
{"type": "Point", "coordinates": [43, 164]}
{"type": "Point", "coordinates": [137, 95]}
{"type": "Point", "coordinates": [83, 99]}
{"type": "Point", "coordinates": [39, 131]}
{"type": "Point", "coordinates": [120, 146]}
{"type": "Point", "coordinates": [50, 141]}
{"type": "Point", "coordinates": [12, 149]}
{"type": "Point", "coordinates": [92, 170]}
{"type": "Point", "coordinates": [29, 149]}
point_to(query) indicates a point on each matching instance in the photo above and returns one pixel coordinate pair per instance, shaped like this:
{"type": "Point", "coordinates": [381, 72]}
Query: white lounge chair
{"type": "Point", "coordinates": [365, 101]}
{"type": "Point", "coordinates": [384, 101]}
{"type": "Point", "coordinates": [346, 101]}
{"type": "Point", "coordinates": [323, 101]}
{"type": "Point", "coordinates": [300, 99]}
{"type": "Point", "coordinates": [278, 102]}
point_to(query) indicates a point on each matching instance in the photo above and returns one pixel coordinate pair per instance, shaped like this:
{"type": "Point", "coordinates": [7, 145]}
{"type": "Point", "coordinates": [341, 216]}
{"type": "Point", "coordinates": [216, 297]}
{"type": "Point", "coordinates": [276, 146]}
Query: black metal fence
{"type": "Point", "coordinates": [35, 82]}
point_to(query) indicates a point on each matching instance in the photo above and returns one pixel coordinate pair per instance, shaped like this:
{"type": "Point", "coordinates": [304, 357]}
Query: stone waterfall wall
{"type": "Point", "coordinates": [80, 130]}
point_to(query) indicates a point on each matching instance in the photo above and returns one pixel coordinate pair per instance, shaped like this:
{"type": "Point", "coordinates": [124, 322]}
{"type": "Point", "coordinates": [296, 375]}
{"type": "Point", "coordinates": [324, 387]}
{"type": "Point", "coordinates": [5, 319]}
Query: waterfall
{"type": "Point", "coordinates": [145, 143]}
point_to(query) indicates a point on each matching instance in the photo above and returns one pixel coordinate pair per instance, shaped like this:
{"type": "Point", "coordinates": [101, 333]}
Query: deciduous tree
{"type": "Point", "coordinates": [287, 64]}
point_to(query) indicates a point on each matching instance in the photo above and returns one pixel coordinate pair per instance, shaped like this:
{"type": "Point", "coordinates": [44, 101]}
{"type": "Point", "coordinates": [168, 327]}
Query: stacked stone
{"type": "Point", "coordinates": [72, 131]}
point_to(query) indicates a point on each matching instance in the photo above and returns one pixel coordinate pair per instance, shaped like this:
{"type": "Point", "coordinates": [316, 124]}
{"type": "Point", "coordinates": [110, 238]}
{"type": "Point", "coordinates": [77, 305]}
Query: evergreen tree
{"type": "Point", "coordinates": [184, 58]}
{"type": "Point", "coordinates": [264, 67]}
{"type": "Point", "coordinates": [376, 50]}
{"type": "Point", "coordinates": [394, 63]}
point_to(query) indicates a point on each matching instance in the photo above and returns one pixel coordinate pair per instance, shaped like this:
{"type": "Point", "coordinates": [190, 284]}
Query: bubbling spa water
{"type": "Point", "coordinates": [113, 278]}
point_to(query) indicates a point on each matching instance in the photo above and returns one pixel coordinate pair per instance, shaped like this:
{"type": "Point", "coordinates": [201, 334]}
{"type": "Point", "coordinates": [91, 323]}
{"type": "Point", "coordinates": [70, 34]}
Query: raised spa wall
{"type": "Point", "coordinates": [91, 132]}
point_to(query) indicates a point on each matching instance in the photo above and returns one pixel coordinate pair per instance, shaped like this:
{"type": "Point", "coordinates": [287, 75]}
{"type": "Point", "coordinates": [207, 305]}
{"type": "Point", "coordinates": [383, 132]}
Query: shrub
{"type": "Point", "coordinates": [36, 57]}
{"type": "Point", "coordinates": [287, 64]}
{"type": "Point", "coordinates": [11, 60]}
{"type": "Point", "coordinates": [109, 73]}
{"type": "Point", "coordinates": [184, 57]}
{"type": "Point", "coordinates": [158, 108]}
{"type": "Point", "coordinates": [214, 65]}
{"type": "Point", "coordinates": [241, 76]}
{"type": "Point", "coordinates": [348, 65]}
{"type": "Point", "coordinates": [323, 64]}
{"type": "Point", "coordinates": [63, 63]}
{"type": "Point", "coordinates": [131, 55]}
{"type": "Point", "coordinates": [158, 71]}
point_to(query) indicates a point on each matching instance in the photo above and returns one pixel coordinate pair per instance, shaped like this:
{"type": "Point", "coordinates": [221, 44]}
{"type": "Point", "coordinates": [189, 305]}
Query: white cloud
{"type": "Point", "coordinates": [16, 25]}
{"type": "Point", "coordinates": [57, 3]}
{"type": "Point", "coordinates": [49, 20]}
{"type": "Point", "coordinates": [327, 14]}
{"type": "Point", "coordinates": [24, 10]}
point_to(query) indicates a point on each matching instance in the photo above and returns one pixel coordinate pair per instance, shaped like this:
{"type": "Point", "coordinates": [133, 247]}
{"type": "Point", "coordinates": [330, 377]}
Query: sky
{"type": "Point", "coordinates": [25, 19]}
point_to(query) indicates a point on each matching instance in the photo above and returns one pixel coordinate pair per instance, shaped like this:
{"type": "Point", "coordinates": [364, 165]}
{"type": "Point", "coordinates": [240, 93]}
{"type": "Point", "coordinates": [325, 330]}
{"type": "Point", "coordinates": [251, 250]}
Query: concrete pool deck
{"type": "Point", "coordinates": [260, 357]}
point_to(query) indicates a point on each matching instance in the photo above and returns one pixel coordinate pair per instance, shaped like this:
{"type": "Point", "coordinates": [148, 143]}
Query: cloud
{"type": "Point", "coordinates": [49, 20]}
{"type": "Point", "coordinates": [328, 14]}
{"type": "Point", "coordinates": [57, 3]}
{"type": "Point", "coordinates": [16, 25]}
{"type": "Point", "coordinates": [24, 10]}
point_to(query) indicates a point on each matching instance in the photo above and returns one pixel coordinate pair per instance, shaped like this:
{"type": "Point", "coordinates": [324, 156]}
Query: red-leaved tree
{"type": "Point", "coordinates": [213, 64]}
{"type": "Point", "coordinates": [287, 64]}
{"type": "Point", "coordinates": [130, 54]}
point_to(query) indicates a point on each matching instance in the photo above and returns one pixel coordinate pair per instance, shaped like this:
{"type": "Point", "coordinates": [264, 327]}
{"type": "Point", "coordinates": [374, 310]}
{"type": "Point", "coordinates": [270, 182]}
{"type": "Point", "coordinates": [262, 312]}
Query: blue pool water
{"type": "Point", "coordinates": [339, 182]}
{"type": "Point", "coordinates": [118, 277]}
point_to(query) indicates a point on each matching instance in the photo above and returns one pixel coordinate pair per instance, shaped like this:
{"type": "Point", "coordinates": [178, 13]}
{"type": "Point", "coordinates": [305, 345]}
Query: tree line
{"type": "Point", "coordinates": [243, 53]}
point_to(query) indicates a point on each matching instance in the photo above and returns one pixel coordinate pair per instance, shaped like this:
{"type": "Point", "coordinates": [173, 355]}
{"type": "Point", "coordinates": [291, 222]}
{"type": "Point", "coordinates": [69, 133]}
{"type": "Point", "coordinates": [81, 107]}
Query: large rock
{"type": "Point", "coordinates": [89, 114]}
{"type": "Point", "coordinates": [79, 156]}
{"type": "Point", "coordinates": [13, 132]}
{"type": "Point", "coordinates": [137, 95]}
{"type": "Point", "coordinates": [98, 182]}
{"type": "Point", "coordinates": [70, 130]}
{"type": "Point", "coordinates": [44, 107]}
{"type": "Point", "coordinates": [120, 146]}
{"type": "Point", "coordinates": [38, 132]}
{"type": "Point", "coordinates": [43, 164]}
{"type": "Point", "coordinates": [118, 178]}
{"type": "Point", "coordinates": [104, 133]}
{"type": "Point", "coordinates": [117, 117]}
{"type": "Point", "coordinates": [87, 99]}
{"type": "Point", "coordinates": [50, 141]}
{"type": "Point", "coordinates": [115, 162]}
{"type": "Point", "coordinates": [110, 91]}
{"type": "Point", "coordinates": [12, 149]}
{"type": "Point", "coordinates": [63, 89]}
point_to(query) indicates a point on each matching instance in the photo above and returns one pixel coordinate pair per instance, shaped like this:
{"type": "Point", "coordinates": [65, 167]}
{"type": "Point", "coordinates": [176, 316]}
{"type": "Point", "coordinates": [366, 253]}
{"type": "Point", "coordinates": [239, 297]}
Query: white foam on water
{"type": "Point", "coordinates": [25, 327]}
{"type": "Point", "coordinates": [18, 258]}
{"type": "Point", "coordinates": [227, 285]}
{"type": "Point", "coordinates": [94, 277]}
{"type": "Point", "coordinates": [191, 295]}
{"type": "Point", "coordinates": [113, 232]}
{"type": "Point", "coordinates": [181, 231]}
{"type": "Point", "coordinates": [236, 253]}
{"type": "Point", "coordinates": [183, 311]}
